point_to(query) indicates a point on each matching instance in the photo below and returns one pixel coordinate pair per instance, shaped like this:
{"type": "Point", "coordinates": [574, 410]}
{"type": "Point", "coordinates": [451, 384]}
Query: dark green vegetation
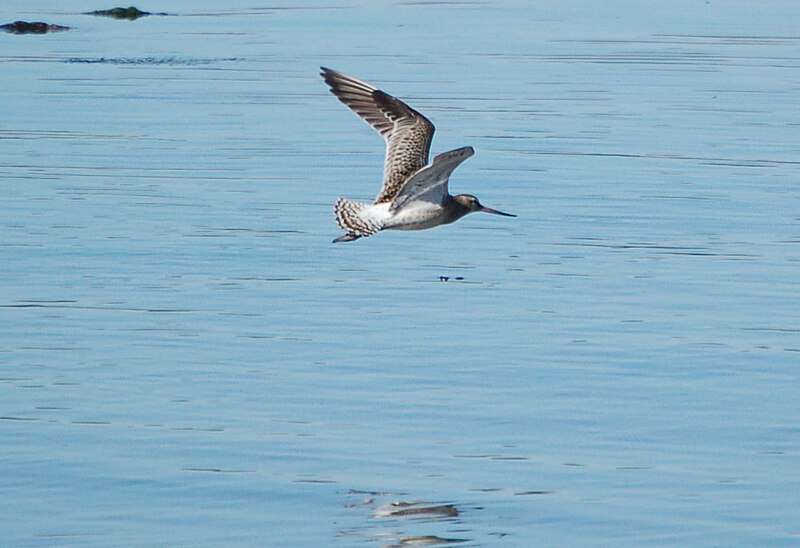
{"type": "Point", "coordinates": [37, 27]}
{"type": "Point", "coordinates": [130, 13]}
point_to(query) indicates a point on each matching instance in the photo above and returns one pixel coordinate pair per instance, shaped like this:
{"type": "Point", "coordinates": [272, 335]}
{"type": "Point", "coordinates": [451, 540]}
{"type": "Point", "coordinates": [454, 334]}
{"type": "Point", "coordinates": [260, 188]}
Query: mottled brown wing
{"type": "Point", "coordinates": [408, 133]}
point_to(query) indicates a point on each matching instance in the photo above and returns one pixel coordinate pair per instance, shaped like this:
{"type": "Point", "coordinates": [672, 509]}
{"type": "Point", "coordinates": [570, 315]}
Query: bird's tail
{"type": "Point", "coordinates": [350, 216]}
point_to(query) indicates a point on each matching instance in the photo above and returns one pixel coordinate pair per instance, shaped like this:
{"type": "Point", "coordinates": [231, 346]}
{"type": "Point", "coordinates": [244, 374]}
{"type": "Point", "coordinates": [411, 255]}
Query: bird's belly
{"type": "Point", "coordinates": [415, 219]}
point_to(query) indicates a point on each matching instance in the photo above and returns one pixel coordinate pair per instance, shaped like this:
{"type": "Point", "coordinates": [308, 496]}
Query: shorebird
{"type": "Point", "coordinates": [414, 195]}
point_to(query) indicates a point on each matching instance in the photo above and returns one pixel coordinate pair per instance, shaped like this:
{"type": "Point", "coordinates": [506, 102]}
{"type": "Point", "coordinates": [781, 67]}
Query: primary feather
{"type": "Point", "coordinates": [408, 133]}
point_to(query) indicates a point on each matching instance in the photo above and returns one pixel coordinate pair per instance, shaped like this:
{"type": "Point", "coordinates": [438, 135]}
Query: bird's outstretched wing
{"type": "Point", "coordinates": [429, 185]}
{"type": "Point", "coordinates": [408, 133]}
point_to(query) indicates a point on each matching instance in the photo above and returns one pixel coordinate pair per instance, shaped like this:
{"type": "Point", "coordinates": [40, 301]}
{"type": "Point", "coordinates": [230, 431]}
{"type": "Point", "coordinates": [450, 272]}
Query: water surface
{"type": "Point", "coordinates": [185, 359]}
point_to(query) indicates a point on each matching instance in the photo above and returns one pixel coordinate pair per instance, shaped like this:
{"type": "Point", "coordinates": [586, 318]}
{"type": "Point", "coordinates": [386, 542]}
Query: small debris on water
{"type": "Point", "coordinates": [416, 509]}
{"type": "Point", "coordinates": [428, 540]}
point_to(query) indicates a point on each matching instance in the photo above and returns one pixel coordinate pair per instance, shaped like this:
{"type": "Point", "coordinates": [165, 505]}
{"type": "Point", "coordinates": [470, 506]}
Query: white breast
{"type": "Point", "coordinates": [418, 216]}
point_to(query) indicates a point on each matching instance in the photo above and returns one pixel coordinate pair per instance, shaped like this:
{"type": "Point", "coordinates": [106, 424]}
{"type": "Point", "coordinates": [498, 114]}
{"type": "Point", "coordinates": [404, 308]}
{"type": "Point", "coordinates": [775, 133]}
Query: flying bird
{"type": "Point", "coordinates": [414, 195]}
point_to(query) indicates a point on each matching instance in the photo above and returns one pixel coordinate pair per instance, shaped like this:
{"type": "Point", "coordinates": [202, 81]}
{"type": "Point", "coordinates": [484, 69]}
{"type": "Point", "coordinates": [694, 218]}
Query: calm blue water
{"type": "Point", "coordinates": [185, 359]}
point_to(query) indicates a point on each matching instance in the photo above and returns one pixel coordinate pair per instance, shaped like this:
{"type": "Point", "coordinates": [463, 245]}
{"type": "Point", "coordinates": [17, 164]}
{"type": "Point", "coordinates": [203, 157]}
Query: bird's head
{"type": "Point", "coordinates": [472, 204]}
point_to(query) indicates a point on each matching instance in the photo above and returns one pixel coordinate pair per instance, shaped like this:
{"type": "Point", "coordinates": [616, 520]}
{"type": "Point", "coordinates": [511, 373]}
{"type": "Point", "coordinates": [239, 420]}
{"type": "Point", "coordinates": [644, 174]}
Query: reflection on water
{"type": "Point", "coordinates": [402, 523]}
{"type": "Point", "coordinates": [186, 359]}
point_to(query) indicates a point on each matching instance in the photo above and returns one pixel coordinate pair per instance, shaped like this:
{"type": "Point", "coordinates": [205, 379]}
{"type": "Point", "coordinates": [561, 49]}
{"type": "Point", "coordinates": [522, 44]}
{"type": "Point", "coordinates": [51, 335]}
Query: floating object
{"type": "Point", "coordinates": [36, 27]}
{"type": "Point", "coordinates": [130, 13]}
{"type": "Point", "coordinates": [396, 509]}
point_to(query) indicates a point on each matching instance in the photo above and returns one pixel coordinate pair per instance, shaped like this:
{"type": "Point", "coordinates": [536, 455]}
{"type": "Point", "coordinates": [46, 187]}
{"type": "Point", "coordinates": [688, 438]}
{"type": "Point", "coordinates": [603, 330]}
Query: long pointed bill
{"type": "Point", "coordinates": [495, 212]}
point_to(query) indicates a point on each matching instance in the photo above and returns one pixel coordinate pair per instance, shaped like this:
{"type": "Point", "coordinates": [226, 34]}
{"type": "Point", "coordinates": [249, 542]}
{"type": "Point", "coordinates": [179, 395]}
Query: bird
{"type": "Point", "coordinates": [414, 194]}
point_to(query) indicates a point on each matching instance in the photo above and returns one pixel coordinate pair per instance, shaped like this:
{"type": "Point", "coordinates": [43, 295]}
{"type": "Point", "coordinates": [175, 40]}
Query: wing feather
{"type": "Point", "coordinates": [430, 184]}
{"type": "Point", "coordinates": [408, 133]}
